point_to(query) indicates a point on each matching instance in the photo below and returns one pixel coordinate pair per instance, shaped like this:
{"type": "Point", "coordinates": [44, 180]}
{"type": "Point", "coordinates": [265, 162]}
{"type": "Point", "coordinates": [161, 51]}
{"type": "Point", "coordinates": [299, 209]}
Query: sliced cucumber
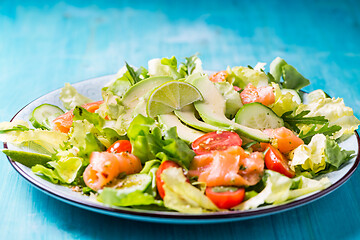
{"type": "Point", "coordinates": [132, 183]}
{"type": "Point", "coordinates": [258, 116]}
{"type": "Point", "coordinates": [43, 115]}
{"type": "Point", "coordinates": [296, 95]}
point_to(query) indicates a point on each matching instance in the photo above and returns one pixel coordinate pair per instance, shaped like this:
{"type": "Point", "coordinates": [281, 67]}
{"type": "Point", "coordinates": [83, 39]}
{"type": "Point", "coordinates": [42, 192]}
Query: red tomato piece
{"type": "Point", "coordinates": [219, 76]}
{"type": "Point", "coordinates": [274, 160]}
{"type": "Point", "coordinates": [227, 199]}
{"type": "Point", "coordinates": [159, 181]}
{"type": "Point", "coordinates": [215, 141]}
{"type": "Point", "coordinates": [63, 122]}
{"type": "Point", "coordinates": [120, 146]}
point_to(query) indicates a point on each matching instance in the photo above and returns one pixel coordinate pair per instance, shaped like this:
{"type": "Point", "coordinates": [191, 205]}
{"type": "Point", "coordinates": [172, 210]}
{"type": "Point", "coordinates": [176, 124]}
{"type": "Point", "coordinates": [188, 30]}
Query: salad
{"type": "Point", "coordinates": [173, 137]}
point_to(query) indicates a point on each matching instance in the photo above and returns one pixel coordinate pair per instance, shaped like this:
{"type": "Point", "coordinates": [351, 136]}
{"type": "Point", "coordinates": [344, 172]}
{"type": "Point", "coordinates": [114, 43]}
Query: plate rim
{"type": "Point", "coordinates": [175, 217]}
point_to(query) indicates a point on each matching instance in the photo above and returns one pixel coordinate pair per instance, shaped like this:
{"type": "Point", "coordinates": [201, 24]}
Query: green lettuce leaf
{"type": "Point", "coordinates": [148, 143]}
{"type": "Point", "coordinates": [81, 113]}
{"type": "Point", "coordinates": [333, 110]}
{"type": "Point", "coordinates": [322, 153]}
{"type": "Point", "coordinates": [64, 169]}
{"type": "Point", "coordinates": [292, 78]}
{"type": "Point", "coordinates": [242, 76]}
{"type": "Point", "coordinates": [335, 155]}
{"type": "Point", "coordinates": [49, 141]}
{"type": "Point", "coordinates": [124, 79]}
{"type": "Point", "coordinates": [280, 189]}
{"type": "Point", "coordinates": [284, 102]}
{"type": "Point", "coordinates": [71, 98]}
{"type": "Point", "coordinates": [150, 168]}
{"type": "Point", "coordinates": [112, 107]}
{"type": "Point", "coordinates": [67, 168]}
{"type": "Point", "coordinates": [84, 136]}
{"type": "Point", "coordinates": [164, 67]}
{"type": "Point", "coordinates": [46, 173]}
{"type": "Point", "coordinates": [169, 67]}
{"type": "Point", "coordinates": [16, 125]}
{"type": "Point", "coordinates": [182, 196]}
{"type": "Point", "coordinates": [112, 197]}
{"type": "Point", "coordinates": [192, 65]}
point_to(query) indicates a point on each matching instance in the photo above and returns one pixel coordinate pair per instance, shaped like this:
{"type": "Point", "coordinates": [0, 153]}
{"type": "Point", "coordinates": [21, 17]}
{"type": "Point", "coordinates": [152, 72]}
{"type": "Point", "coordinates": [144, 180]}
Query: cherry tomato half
{"type": "Point", "coordinates": [215, 141]}
{"type": "Point", "coordinates": [159, 181]}
{"type": "Point", "coordinates": [120, 146]}
{"type": "Point", "coordinates": [274, 160]}
{"type": "Point", "coordinates": [225, 199]}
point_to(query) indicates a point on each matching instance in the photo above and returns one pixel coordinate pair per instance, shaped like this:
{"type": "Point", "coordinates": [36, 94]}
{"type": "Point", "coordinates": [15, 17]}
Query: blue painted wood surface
{"type": "Point", "coordinates": [44, 44]}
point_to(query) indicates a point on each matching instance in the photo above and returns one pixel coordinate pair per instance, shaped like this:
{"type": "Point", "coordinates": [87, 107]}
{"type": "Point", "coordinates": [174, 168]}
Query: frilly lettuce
{"type": "Point", "coordinates": [335, 111]}
{"type": "Point", "coordinates": [279, 189]}
{"type": "Point", "coordinates": [84, 136]}
{"type": "Point", "coordinates": [232, 98]}
{"type": "Point", "coordinates": [169, 67]}
{"type": "Point", "coordinates": [119, 85]}
{"type": "Point", "coordinates": [148, 143]}
{"type": "Point", "coordinates": [150, 168]}
{"type": "Point", "coordinates": [86, 122]}
{"type": "Point", "coordinates": [181, 195]}
{"type": "Point", "coordinates": [322, 153]}
{"type": "Point", "coordinates": [64, 169]}
{"type": "Point", "coordinates": [114, 197]}
{"type": "Point", "coordinates": [242, 76]}
{"type": "Point", "coordinates": [310, 157]}
{"type": "Point", "coordinates": [164, 67]}
{"type": "Point", "coordinates": [112, 107]}
{"type": "Point", "coordinates": [50, 141]}
{"type": "Point", "coordinates": [71, 98]}
{"type": "Point", "coordinates": [67, 168]}
{"type": "Point", "coordinates": [124, 79]}
{"type": "Point", "coordinates": [16, 125]}
{"type": "Point", "coordinates": [284, 102]}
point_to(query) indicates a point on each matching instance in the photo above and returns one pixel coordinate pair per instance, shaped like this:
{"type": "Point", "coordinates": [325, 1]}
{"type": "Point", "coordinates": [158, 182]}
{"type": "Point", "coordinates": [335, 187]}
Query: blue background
{"type": "Point", "coordinates": [44, 44]}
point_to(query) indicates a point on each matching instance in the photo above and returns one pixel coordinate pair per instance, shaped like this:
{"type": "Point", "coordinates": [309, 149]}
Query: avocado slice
{"type": "Point", "coordinates": [187, 134]}
{"type": "Point", "coordinates": [187, 115]}
{"type": "Point", "coordinates": [27, 158]}
{"type": "Point", "coordinates": [212, 111]}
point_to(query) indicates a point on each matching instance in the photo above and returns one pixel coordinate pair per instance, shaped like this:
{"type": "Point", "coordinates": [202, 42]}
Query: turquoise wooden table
{"type": "Point", "coordinates": [44, 44]}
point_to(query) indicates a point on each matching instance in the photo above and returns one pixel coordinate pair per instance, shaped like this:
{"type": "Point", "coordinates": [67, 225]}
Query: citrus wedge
{"type": "Point", "coordinates": [170, 96]}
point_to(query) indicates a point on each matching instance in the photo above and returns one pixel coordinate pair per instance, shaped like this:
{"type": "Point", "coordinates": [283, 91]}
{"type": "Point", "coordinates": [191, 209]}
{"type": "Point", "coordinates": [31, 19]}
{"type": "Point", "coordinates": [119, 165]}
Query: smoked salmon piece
{"type": "Point", "coordinates": [231, 167]}
{"type": "Point", "coordinates": [286, 140]}
{"type": "Point", "coordinates": [219, 76]}
{"type": "Point", "coordinates": [264, 95]}
{"type": "Point", "coordinates": [105, 167]}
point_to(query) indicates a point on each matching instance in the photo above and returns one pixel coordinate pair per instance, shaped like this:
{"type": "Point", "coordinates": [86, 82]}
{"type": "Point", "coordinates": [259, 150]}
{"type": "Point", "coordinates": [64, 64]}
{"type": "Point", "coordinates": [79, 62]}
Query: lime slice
{"type": "Point", "coordinates": [170, 96]}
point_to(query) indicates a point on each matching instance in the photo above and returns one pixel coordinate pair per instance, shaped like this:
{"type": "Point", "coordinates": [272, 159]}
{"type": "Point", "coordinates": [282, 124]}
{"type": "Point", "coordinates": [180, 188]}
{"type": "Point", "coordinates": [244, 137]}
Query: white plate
{"type": "Point", "coordinates": [92, 89]}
